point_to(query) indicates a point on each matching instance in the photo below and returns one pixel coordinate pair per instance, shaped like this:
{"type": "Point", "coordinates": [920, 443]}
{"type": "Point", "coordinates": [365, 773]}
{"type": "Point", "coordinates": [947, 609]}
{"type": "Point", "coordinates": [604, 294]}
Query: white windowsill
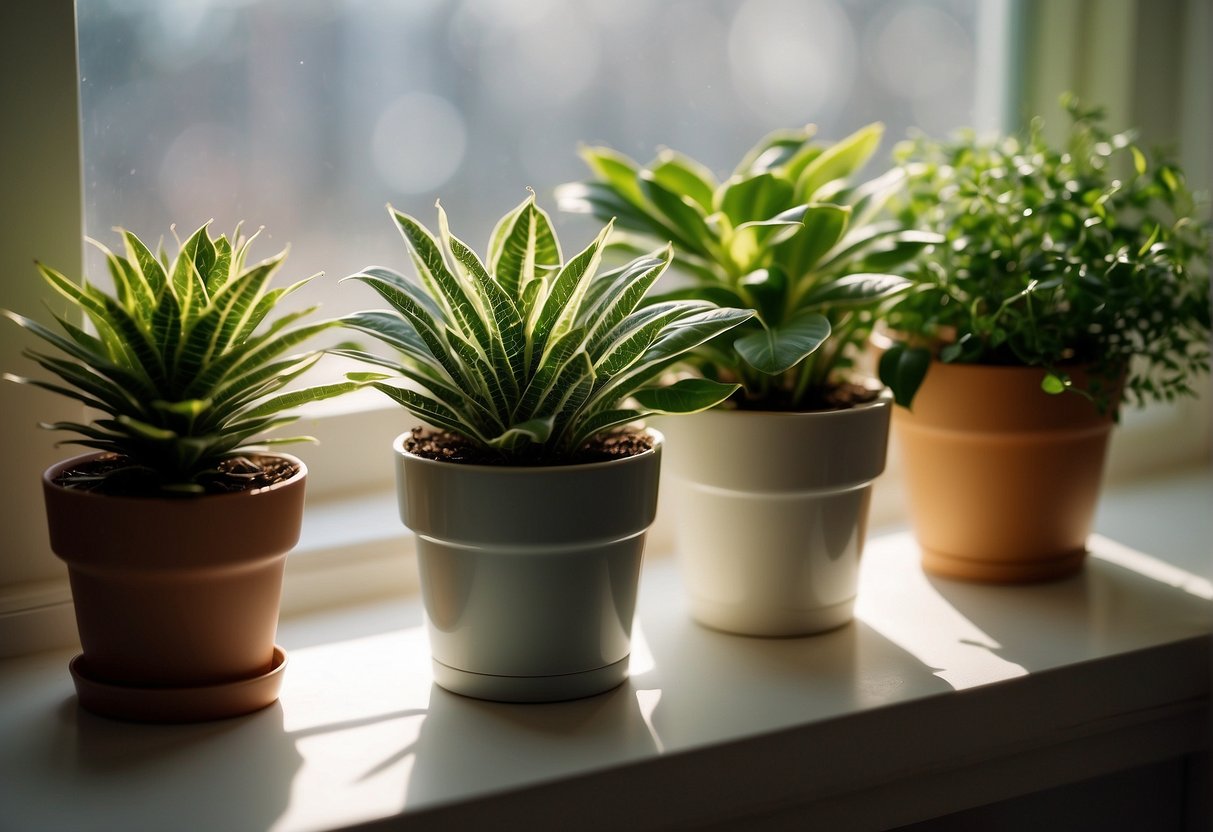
{"type": "Point", "coordinates": [940, 696]}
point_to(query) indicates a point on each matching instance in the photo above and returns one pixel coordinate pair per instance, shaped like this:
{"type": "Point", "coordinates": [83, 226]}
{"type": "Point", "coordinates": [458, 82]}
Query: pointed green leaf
{"type": "Point", "coordinates": [559, 312]}
{"type": "Point", "coordinates": [750, 198]}
{"type": "Point", "coordinates": [149, 267]}
{"type": "Point", "coordinates": [297, 398]}
{"type": "Point", "coordinates": [459, 307]}
{"type": "Point", "coordinates": [774, 150]}
{"type": "Point", "coordinates": [823, 226]}
{"type": "Point", "coordinates": [531, 431]}
{"type": "Point", "coordinates": [616, 170]}
{"type": "Point", "coordinates": [683, 175]}
{"type": "Point", "coordinates": [902, 369]}
{"type": "Point", "coordinates": [528, 250]}
{"type": "Point", "coordinates": [777, 349]}
{"type": "Point", "coordinates": [838, 161]}
{"type": "Point", "coordinates": [681, 213]}
{"type": "Point", "coordinates": [853, 290]}
{"type": "Point", "coordinates": [431, 411]}
{"type": "Point", "coordinates": [689, 395]}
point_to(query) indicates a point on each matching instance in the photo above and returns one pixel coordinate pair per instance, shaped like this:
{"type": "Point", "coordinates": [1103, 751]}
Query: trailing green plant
{"type": "Point", "coordinates": [183, 362]}
{"type": "Point", "coordinates": [1089, 254]}
{"type": "Point", "coordinates": [788, 235]}
{"type": "Point", "coordinates": [526, 355]}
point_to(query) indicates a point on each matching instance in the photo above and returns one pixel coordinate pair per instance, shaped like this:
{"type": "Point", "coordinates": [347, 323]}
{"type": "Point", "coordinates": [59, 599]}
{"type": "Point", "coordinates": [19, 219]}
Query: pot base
{"type": "Point", "coordinates": [168, 705]}
{"type": "Point", "coordinates": [531, 688]}
{"type": "Point", "coordinates": [1003, 572]}
{"type": "Point", "coordinates": [753, 620]}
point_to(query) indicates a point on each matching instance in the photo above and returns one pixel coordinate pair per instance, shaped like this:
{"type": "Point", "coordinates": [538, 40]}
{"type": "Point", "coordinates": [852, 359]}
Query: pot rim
{"type": "Point", "coordinates": [48, 481]}
{"type": "Point", "coordinates": [884, 398]}
{"type": "Point", "coordinates": [533, 470]}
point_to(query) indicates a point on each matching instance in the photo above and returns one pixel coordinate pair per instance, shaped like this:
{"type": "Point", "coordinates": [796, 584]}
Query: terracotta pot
{"type": "Point", "coordinates": [1002, 478]}
{"type": "Point", "coordinates": [771, 513]}
{"type": "Point", "coordinates": [175, 593]}
{"type": "Point", "coordinates": [529, 575]}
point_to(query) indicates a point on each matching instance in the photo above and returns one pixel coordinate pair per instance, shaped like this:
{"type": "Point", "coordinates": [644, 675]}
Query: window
{"type": "Point", "coordinates": [308, 117]}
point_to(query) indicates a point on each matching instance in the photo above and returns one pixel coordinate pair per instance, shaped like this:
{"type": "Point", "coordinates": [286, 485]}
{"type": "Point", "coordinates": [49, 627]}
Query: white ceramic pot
{"type": "Point", "coordinates": [771, 511]}
{"type": "Point", "coordinates": [529, 574]}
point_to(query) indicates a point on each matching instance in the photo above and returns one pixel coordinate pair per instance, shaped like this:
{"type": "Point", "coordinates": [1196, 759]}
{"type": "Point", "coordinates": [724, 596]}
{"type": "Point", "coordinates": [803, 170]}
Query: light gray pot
{"type": "Point", "coordinates": [771, 511]}
{"type": "Point", "coordinates": [529, 574]}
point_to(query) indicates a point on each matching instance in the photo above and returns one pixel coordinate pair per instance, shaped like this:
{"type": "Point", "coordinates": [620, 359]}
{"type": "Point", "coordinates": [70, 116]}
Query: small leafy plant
{"type": "Point", "coordinates": [787, 235]}
{"type": "Point", "coordinates": [528, 356]}
{"type": "Point", "coordinates": [178, 363]}
{"type": "Point", "coordinates": [1086, 255]}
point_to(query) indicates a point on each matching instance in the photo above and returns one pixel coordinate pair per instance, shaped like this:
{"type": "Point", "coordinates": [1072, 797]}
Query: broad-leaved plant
{"type": "Point", "coordinates": [788, 234]}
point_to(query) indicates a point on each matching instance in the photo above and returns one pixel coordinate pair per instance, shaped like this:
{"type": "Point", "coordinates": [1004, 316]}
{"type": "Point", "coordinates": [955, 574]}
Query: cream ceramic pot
{"type": "Point", "coordinates": [529, 574]}
{"type": "Point", "coordinates": [771, 512]}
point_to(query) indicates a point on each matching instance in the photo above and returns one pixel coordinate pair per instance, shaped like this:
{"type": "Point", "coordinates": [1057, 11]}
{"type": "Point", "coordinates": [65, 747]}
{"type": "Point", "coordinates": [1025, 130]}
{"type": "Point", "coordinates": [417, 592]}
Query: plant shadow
{"type": "Point", "coordinates": [498, 745]}
{"type": "Point", "coordinates": [1107, 607]}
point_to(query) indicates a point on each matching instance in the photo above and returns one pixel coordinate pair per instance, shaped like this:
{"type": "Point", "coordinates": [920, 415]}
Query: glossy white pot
{"type": "Point", "coordinates": [529, 574]}
{"type": "Point", "coordinates": [771, 512]}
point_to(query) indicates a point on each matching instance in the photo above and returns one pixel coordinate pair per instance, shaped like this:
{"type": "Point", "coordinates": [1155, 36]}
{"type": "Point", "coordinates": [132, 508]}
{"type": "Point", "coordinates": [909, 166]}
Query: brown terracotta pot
{"type": "Point", "coordinates": [1002, 479]}
{"type": "Point", "coordinates": [175, 593]}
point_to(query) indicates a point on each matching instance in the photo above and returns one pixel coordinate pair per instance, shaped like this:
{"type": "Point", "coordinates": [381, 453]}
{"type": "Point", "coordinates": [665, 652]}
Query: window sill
{"type": "Point", "coordinates": [939, 697]}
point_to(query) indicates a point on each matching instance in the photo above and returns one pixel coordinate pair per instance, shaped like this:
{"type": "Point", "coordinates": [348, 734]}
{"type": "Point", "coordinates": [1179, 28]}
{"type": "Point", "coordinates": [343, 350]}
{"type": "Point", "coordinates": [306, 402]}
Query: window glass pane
{"type": "Point", "coordinates": [307, 116]}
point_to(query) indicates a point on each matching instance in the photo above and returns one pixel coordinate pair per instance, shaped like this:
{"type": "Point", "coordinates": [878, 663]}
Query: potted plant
{"type": "Point", "coordinates": [529, 500]}
{"type": "Point", "coordinates": [772, 488]}
{"type": "Point", "coordinates": [1070, 279]}
{"type": "Point", "coordinates": [175, 530]}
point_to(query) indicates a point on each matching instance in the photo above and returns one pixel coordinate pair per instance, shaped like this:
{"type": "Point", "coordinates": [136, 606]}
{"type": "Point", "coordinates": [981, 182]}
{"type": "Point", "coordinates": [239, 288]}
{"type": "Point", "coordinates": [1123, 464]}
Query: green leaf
{"type": "Point", "coordinates": [297, 398]}
{"type": "Point", "coordinates": [528, 249]}
{"type": "Point", "coordinates": [902, 370]}
{"type": "Point", "coordinates": [507, 346]}
{"type": "Point", "coordinates": [621, 297]}
{"type": "Point", "coordinates": [149, 267]}
{"type": "Point", "coordinates": [854, 290]}
{"type": "Point", "coordinates": [560, 309]}
{"type": "Point", "coordinates": [457, 305]}
{"type": "Point", "coordinates": [769, 290]}
{"type": "Point", "coordinates": [419, 310]}
{"type": "Point", "coordinates": [606, 203]}
{"type": "Point", "coordinates": [536, 390]}
{"type": "Point", "coordinates": [838, 161]}
{"type": "Point", "coordinates": [676, 340]}
{"type": "Point", "coordinates": [188, 274]}
{"type": "Point", "coordinates": [619, 172]}
{"type": "Point", "coordinates": [535, 430]}
{"type": "Point", "coordinates": [56, 388]}
{"type": "Point", "coordinates": [775, 150]}
{"type": "Point", "coordinates": [823, 226]}
{"type": "Point", "coordinates": [431, 411]}
{"type": "Point", "coordinates": [601, 422]}
{"type": "Point", "coordinates": [1053, 384]}
{"type": "Point", "coordinates": [682, 174]}
{"type": "Point", "coordinates": [394, 331]}
{"type": "Point", "coordinates": [134, 292]}
{"type": "Point", "coordinates": [757, 197]}
{"type": "Point", "coordinates": [878, 246]}
{"type": "Point", "coordinates": [690, 395]}
{"type": "Point", "coordinates": [629, 339]}
{"type": "Point", "coordinates": [681, 213]}
{"type": "Point", "coordinates": [779, 348]}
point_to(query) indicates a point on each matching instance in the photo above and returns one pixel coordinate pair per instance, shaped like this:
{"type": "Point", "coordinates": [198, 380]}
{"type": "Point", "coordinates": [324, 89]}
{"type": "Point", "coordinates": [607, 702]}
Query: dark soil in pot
{"type": "Point", "coordinates": [445, 446]}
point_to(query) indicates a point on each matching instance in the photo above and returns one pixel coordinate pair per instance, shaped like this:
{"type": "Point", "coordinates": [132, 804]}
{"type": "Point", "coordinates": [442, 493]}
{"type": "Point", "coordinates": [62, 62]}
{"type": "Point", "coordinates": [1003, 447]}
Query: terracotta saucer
{"type": "Point", "coordinates": [197, 704]}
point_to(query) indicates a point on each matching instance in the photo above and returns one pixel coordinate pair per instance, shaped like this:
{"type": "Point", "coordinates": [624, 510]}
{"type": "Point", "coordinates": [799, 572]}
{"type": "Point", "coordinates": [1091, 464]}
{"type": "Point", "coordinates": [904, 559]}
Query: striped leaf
{"type": "Point", "coordinates": [524, 381]}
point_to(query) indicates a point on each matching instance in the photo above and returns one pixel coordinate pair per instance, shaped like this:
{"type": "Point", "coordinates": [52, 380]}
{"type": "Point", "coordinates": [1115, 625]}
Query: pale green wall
{"type": "Point", "coordinates": [40, 217]}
